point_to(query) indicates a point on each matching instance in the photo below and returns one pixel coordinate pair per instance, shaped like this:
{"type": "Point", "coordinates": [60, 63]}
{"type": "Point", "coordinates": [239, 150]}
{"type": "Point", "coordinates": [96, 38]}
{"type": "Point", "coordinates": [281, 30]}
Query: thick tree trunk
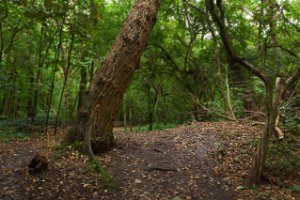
{"type": "Point", "coordinates": [99, 110]}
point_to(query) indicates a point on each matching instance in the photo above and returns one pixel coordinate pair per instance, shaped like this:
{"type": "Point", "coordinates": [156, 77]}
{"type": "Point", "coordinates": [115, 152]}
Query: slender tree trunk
{"type": "Point", "coordinates": [1, 44]}
{"type": "Point", "coordinates": [130, 119]}
{"type": "Point", "coordinates": [3, 103]}
{"type": "Point", "coordinates": [41, 60]}
{"type": "Point", "coordinates": [83, 82]}
{"type": "Point", "coordinates": [271, 101]}
{"type": "Point", "coordinates": [223, 84]}
{"type": "Point", "coordinates": [156, 104]}
{"type": "Point", "coordinates": [1, 67]}
{"type": "Point", "coordinates": [150, 111]}
{"type": "Point", "coordinates": [94, 19]}
{"type": "Point", "coordinates": [1, 32]}
{"type": "Point", "coordinates": [7, 100]}
{"type": "Point", "coordinates": [31, 89]}
{"type": "Point", "coordinates": [224, 89]}
{"type": "Point", "coordinates": [262, 150]}
{"type": "Point", "coordinates": [66, 75]}
{"type": "Point", "coordinates": [125, 113]}
{"type": "Point", "coordinates": [96, 115]}
{"type": "Point", "coordinates": [13, 91]}
{"type": "Point", "coordinates": [57, 55]}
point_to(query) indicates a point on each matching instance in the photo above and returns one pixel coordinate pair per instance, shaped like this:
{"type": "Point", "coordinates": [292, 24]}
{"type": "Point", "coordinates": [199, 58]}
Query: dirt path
{"type": "Point", "coordinates": [199, 161]}
{"type": "Point", "coordinates": [168, 164]}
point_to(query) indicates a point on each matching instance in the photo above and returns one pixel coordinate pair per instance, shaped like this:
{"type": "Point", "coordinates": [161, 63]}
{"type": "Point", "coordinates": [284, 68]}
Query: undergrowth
{"type": "Point", "coordinates": [8, 134]}
{"type": "Point", "coordinates": [12, 129]}
{"type": "Point", "coordinates": [284, 156]}
{"type": "Point", "coordinates": [105, 179]}
{"type": "Point", "coordinates": [75, 146]}
{"type": "Point", "coordinates": [62, 148]}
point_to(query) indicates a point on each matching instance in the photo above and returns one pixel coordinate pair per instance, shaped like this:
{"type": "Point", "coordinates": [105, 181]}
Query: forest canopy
{"type": "Point", "coordinates": [51, 49]}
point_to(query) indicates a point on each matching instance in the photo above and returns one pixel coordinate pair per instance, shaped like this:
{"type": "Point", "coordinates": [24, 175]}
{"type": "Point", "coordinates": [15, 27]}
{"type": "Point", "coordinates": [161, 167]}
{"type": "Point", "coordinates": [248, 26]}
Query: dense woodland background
{"type": "Point", "coordinates": [50, 51]}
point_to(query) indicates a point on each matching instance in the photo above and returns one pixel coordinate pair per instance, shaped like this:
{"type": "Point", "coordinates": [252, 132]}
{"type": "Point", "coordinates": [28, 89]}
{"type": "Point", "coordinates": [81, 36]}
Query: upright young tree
{"type": "Point", "coordinates": [102, 102]}
{"type": "Point", "coordinates": [275, 89]}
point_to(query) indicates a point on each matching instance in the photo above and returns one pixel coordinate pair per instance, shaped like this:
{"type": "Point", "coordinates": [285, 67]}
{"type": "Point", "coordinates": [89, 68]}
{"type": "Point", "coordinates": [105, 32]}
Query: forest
{"type": "Point", "coordinates": [150, 99]}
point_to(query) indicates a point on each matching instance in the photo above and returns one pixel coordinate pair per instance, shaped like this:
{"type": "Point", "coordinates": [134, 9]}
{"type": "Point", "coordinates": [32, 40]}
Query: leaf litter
{"type": "Point", "coordinates": [203, 160]}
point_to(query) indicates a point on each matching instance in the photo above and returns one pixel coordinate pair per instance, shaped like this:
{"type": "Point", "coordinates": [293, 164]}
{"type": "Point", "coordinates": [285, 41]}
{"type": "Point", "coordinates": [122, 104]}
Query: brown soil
{"type": "Point", "coordinates": [198, 161]}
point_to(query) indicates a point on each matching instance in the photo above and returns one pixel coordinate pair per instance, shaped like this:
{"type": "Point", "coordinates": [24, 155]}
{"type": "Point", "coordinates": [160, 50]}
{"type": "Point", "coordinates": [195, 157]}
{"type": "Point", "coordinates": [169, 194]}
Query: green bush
{"type": "Point", "coordinates": [283, 155]}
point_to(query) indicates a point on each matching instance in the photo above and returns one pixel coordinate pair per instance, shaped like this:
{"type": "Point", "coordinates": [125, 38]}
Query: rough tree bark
{"type": "Point", "coordinates": [101, 103]}
{"type": "Point", "coordinates": [272, 101]}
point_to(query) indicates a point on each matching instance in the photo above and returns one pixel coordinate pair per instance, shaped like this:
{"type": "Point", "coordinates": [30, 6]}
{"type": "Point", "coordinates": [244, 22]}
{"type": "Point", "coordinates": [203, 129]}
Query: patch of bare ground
{"type": "Point", "coordinates": [198, 161]}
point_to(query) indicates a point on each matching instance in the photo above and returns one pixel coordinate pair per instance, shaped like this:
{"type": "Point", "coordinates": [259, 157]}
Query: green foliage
{"type": "Point", "coordinates": [182, 68]}
{"type": "Point", "coordinates": [284, 156]}
{"type": "Point", "coordinates": [295, 188]}
{"type": "Point", "coordinates": [7, 135]}
{"type": "Point", "coordinates": [62, 147]}
{"type": "Point", "coordinates": [18, 129]}
{"type": "Point", "coordinates": [105, 179]}
{"type": "Point", "coordinates": [291, 117]}
{"type": "Point", "coordinates": [159, 126]}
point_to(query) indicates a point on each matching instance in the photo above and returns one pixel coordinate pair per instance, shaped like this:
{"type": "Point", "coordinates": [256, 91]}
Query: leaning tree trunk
{"type": "Point", "coordinates": [102, 102]}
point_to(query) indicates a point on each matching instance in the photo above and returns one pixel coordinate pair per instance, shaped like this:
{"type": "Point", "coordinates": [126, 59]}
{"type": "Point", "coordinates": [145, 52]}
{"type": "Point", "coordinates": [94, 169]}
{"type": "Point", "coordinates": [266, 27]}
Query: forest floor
{"type": "Point", "coordinates": [203, 160]}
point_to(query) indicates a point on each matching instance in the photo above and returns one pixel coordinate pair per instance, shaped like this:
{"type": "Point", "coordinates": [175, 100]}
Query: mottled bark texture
{"type": "Point", "coordinates": [101, 104]}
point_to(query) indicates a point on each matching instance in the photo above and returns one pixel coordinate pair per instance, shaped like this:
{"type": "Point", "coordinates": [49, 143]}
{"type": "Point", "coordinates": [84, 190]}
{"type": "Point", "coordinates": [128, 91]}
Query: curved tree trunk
{"type": "Point", "coordinates": [101, 104]}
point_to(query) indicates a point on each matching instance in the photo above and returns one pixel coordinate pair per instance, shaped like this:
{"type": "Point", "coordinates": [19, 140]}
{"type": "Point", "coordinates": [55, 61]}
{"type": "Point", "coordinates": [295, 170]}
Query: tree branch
{"type": "Point", "coordinates": [172, 62]}
{"type": "Point", "coordinates": [284, 49]}
{"type": "Point", "coordinates": [227, 42]}
{"type": "Point", "coordinates": [292, 79]}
